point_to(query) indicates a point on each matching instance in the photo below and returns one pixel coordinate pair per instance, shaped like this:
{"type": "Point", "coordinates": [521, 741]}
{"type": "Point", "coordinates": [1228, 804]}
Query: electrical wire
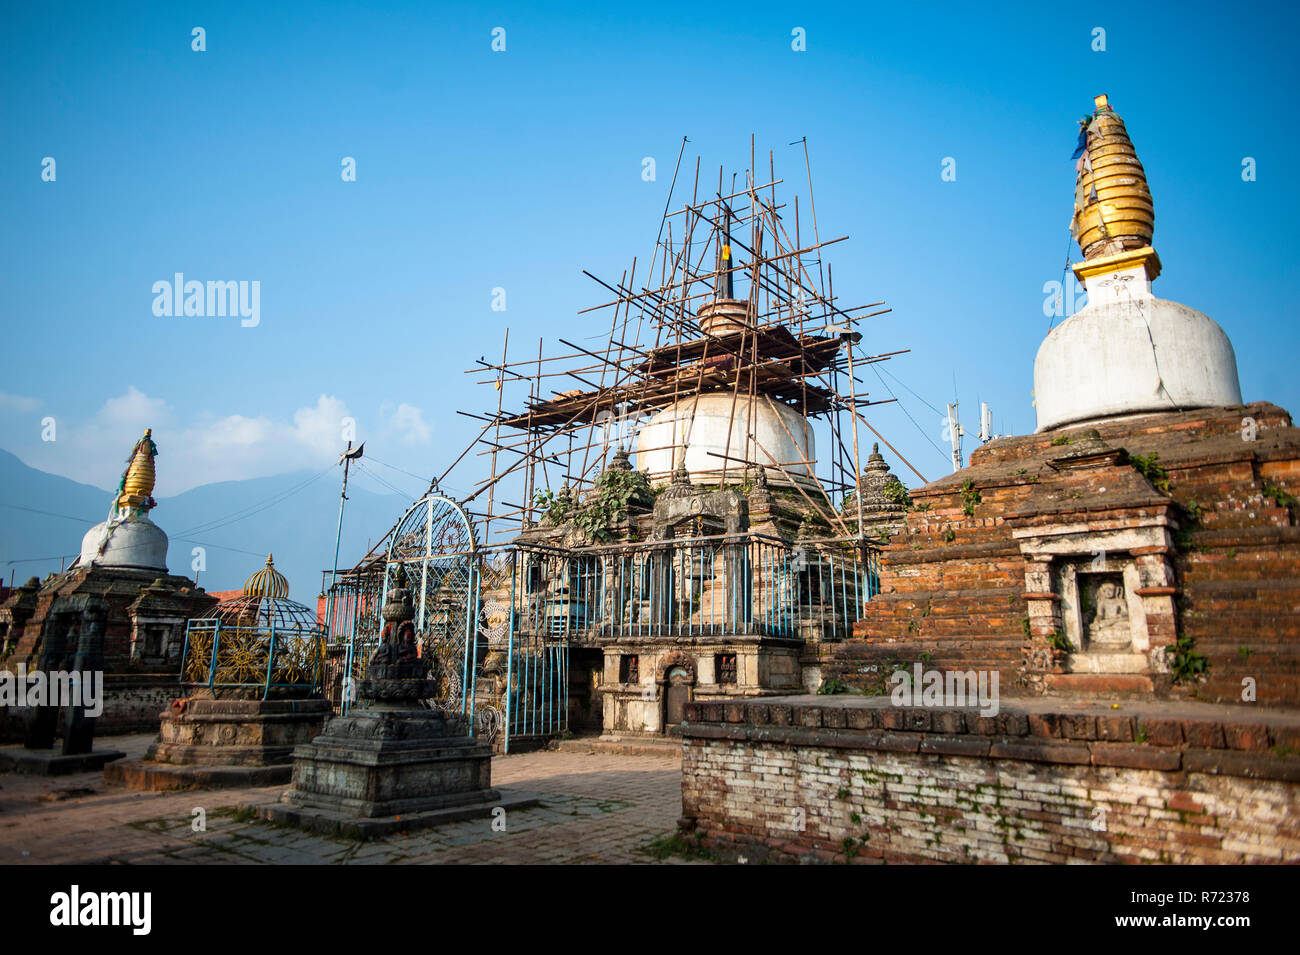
{"type": "Point", "coordinates": [908, 413]}
{"type": "Point", "coordinates": [905, 385]}
{"type": "Point", "coordinates": [249, 510]}
{"type": "Point", "coordinates": [421, 478]}
{"type": "Point", "coordinates": [375, 477]}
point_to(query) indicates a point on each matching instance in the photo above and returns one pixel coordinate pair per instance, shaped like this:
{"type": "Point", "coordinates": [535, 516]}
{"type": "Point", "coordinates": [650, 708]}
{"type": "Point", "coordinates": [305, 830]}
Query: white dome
{"type": "Point", "coordinates": [780, 435]}
{"type": "Point", "coordinates": [134, 542]}
{"type": "Point", "coordinates": [1112, 358]}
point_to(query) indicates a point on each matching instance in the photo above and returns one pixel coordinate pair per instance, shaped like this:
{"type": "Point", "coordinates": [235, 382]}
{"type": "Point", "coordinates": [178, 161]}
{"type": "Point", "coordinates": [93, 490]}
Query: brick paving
{"type": "Point", "coordinates": [595, 808]}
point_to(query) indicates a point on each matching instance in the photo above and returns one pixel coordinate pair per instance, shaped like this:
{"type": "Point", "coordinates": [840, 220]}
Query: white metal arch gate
{"type": "Point", "coordinates": [436, 542]}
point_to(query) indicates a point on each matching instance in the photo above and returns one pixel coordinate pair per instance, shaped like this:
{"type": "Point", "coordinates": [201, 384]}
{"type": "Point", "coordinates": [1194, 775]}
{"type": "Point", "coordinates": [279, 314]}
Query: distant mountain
{"type": "Point", "coordinates": [43, 518]}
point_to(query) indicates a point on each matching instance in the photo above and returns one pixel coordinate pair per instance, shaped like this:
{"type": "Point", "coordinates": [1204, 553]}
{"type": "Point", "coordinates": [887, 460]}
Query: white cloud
{"type": "Point", "coordinates": [211, 447]}
{"type": "Point", "coordinates": [18, 403]}
{"type": "Point", "coordinates": [408, 425]}
{"type": "Point", "coordinates": [321, 427]}
{"type": "Point", "coordinates": [133, 410]}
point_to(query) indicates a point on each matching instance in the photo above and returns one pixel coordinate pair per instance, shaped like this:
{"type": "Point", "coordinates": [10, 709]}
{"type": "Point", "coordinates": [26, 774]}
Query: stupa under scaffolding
{"type": "Point", "coordinates": [656, 524]}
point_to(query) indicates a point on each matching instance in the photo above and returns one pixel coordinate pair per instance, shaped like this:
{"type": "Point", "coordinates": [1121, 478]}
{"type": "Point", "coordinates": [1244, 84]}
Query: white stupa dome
{"type": "Point", "coordinates": [1134, 355]}
{"type": "Point", "coordinates": [134, 542]}
{"type": "Point", "coordinates": [780, 436]}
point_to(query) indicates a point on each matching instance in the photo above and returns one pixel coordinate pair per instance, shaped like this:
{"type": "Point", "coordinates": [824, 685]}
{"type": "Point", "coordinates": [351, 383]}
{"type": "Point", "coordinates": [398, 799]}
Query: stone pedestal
{"type": "Point", "coordinates": [216, 743]}
{"type": "Point", "coordinates": [390, 769]}
{"type": "Point", "coordinates": [392, 764]}
{"type": "Point", "coordinates": [389, 762]}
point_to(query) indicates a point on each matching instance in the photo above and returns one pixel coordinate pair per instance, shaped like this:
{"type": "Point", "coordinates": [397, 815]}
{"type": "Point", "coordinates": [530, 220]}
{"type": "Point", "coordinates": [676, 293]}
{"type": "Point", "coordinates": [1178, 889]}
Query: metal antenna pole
{"type": "Point", "coordinates": [954, 435]}
{"type": "Point", "coordinates": [346, 458]}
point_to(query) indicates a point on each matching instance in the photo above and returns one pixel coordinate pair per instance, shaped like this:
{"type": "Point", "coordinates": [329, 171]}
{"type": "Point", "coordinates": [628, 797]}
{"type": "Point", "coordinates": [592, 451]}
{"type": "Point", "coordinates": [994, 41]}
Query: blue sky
{"type": "Point", "coordinates": [478, 170]}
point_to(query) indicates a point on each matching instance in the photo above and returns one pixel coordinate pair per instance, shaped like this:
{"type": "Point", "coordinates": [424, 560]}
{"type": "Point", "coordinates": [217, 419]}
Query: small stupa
{"type": "Point", "coordinates": [1126, 352]}
{"type": "Point", "coordinates": [128, 538]}
{"type": "Point", "coordinates": [115, 610]}
{"type": "Point", "coordinates": [393, 763]}
{"type": "Point", "coordinates": [883, 497]}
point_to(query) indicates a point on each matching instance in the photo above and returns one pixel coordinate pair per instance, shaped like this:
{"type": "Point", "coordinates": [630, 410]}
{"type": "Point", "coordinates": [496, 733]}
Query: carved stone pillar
{"type": "Point", "coordinates": [78, 728]}
{"type": "Point", "coordinates": [43, 720]}
{"type": "Point", "coordinates": [1041, 599]}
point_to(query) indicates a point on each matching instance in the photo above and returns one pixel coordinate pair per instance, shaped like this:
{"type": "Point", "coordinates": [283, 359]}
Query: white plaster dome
{"type": "Point", "coordinates": [781, 435]}
{"type": "Point", "coordinates": [1135, 356]}
{"type": "Point", "coordinates": [132, 542]}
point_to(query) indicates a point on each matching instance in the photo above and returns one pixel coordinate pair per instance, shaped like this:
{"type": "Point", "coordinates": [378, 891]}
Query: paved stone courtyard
{"type": "Point", "coordinates": [595, 808]}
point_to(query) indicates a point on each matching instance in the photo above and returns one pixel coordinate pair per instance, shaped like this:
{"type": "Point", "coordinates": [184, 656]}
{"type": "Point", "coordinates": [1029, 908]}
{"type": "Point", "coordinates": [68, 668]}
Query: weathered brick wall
{"type": "Point", "coordinates": [1239, 570]}
{"type": "Point", "coordinates": [871, 783]}
{"type": "Point", "coordinates": [952, 583]}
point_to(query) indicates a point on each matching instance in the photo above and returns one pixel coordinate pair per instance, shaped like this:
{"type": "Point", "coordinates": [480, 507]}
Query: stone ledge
{"type": "Point", "coordinates": [1156, 736]}
{"type": "Point", "coordinates": [165, 777]}
{"type": "Point", "coordinates": [352, 827]}
{"type": "Point", "coordinates": [52, 762]}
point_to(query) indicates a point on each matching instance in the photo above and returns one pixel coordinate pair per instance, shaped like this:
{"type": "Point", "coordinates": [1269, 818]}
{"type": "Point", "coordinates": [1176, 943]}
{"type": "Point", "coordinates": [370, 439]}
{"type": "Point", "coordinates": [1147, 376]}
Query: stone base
{"type": "Point", "coordinates": [202, 731]}
{"type": "Point", "coordinates": [152, 776]}
{"type": "Point", "coordinates": [352, 827]}
{"type": "Point", "coordinates": [52, 762]}
{"type": "Point", "coordinates": [385, 761]}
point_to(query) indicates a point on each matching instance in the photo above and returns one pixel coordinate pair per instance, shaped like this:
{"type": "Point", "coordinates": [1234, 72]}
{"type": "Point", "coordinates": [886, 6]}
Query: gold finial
{"type": "Point", "coordinates": [267, 582]}
{"type": "Point", "coordinates": [1113, 211]}
{"type": "Point", "coordinates": [135, 490]}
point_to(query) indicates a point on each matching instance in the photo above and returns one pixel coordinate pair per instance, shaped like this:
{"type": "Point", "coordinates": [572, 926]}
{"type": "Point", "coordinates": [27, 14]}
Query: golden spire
{"type": "Point", "coordinates": [135, 490]}
{"type": "Point", "coordinates": [1113, 212]}
{"type": "Point", "coordinates": [267, 582]}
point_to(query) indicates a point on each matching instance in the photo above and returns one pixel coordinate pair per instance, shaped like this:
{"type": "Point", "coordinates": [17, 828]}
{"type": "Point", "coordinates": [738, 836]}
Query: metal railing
{"type": "Point", "coordinates": [219, 654]}
{"type": "Point", "coordinates": [697, 587]}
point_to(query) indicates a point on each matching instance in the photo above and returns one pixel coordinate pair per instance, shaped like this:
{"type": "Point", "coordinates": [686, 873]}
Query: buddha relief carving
{"type": "Point", "coordinates": [1106, 616]}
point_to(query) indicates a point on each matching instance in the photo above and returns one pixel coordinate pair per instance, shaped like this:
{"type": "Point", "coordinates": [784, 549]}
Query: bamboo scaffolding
{"type": "Point", "coordinates": [796, 346]}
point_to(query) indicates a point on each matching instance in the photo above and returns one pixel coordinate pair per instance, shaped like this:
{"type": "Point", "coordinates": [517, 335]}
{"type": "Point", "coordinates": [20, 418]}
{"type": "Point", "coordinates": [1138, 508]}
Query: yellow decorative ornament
{"type": "Point", "coordinates": [1113, 211]}
{"type": "Point", "coordinates": [267, 582]}
{"type": "Point", "coordinates": [135, 490]}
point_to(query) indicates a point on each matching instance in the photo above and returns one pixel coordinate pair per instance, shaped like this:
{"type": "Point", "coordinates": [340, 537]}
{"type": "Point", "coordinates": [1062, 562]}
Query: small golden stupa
{"type": "Point", "coordinates": [1114, 217]}
{"type": "Point", "coordinates": [135, 490]}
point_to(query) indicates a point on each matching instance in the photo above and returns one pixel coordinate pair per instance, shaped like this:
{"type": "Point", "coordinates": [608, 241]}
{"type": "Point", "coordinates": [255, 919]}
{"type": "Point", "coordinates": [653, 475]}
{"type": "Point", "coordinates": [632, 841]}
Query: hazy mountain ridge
{"type": "Point", "coordinates": [292, 515]}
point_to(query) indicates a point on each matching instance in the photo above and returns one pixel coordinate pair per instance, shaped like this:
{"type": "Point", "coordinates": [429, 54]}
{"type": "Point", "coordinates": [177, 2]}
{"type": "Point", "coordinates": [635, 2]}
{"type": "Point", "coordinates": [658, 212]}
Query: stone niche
{"type": "Point", "coordinates": [1102, 616]}
{"type": "Point", "coordinates": [1108, 591]}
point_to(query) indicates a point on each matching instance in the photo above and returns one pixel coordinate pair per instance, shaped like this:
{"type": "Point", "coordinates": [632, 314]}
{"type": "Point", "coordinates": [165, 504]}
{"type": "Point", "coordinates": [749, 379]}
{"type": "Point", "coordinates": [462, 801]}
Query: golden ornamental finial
{"type": "Point", "coordinates": [267, 582]}
{"type": "Point", "coordinates": [1113, 211]}
{"type": "Point", "coordinates": [135, 490]}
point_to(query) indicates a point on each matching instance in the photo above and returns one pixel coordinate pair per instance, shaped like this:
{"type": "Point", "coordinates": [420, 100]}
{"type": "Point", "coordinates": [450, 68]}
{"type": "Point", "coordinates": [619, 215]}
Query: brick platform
{"type": "Point", "coordinates": [860, 780]}
{"type": "Point", "coordinates": [1208, 537]}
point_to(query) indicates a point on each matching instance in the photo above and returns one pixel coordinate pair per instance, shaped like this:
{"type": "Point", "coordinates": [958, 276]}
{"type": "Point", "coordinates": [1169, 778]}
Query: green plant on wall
{"type": "Point", "coordinates": [895, 493]}
{"type": "Point", "coordinates": [609, 502]}
{"type": "Point", "coordinates": [1061, 643]}
{"type": "Point", "coordinates": [1278, 496]}
{"type": "Point", "coordinates": [556, 508]}
{"type": "Point", "coordinates": [1151, 470]}
{"type": "Point", "coordinates": [970, 496]}
{"type": "Point", "coordinates": [1185, 663]}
